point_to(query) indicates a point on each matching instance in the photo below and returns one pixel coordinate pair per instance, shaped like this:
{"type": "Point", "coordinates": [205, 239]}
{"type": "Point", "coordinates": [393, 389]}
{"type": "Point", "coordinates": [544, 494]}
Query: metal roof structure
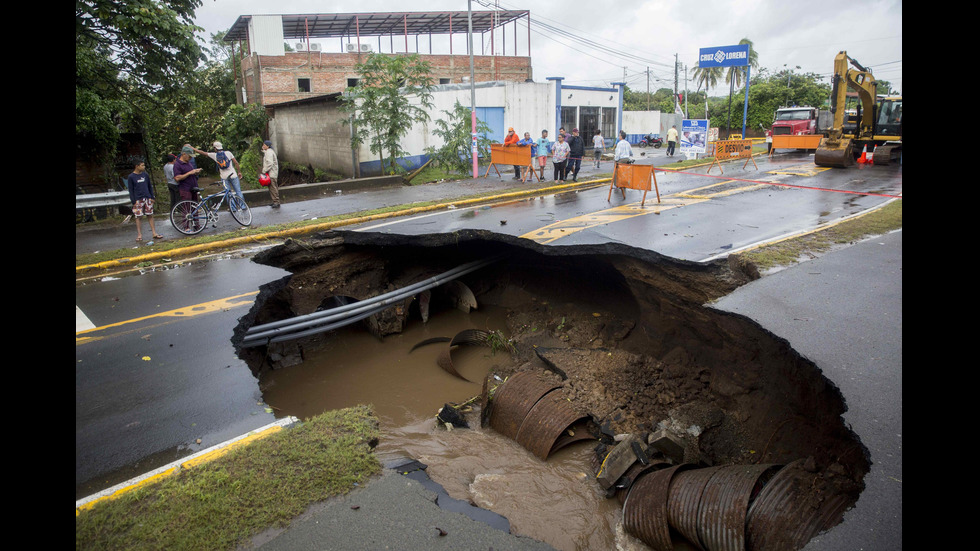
{"type": "Point", "coordinates": [338, 25]}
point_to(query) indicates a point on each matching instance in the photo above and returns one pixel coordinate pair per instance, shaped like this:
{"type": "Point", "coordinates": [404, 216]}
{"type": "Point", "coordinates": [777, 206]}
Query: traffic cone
{"type": "Point", "coordinates": [864, 155]}
{"type": "Point", "coordinates": [871, 156]}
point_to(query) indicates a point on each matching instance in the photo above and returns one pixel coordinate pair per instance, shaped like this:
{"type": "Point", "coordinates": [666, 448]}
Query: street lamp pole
{"type": "Point", "coordinates": [469, 45]}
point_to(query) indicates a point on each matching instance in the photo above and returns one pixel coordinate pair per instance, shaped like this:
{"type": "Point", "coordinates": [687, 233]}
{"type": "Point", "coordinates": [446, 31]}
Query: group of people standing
{"type": "Point", "coordinates": [566, 153]}
{"type": "Point", "coordinates": [181, 172]}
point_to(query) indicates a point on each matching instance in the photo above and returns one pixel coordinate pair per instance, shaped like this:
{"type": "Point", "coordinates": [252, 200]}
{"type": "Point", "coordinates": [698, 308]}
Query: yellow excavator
{"type": "Point", "coordinates": [878, 125]}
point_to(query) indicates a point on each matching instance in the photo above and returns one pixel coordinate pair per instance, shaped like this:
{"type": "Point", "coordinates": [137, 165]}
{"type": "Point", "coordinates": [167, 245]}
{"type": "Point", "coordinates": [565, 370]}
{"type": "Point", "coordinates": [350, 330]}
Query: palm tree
{"type": "Point", "coordinates": [707, 76]}
{"type": "Point", "coordinates": [734, 75]}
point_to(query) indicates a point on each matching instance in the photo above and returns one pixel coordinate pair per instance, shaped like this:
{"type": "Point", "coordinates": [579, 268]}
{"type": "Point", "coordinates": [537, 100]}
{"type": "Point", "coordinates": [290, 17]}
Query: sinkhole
{"type": "Point", "coordinates": [597, 395]}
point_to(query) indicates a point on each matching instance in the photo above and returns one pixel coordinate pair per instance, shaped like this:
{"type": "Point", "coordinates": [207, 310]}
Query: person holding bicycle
{"type": "Point", "coordinates": [228, 167]}
{"type": "Point", "coordinates": [185, 174]}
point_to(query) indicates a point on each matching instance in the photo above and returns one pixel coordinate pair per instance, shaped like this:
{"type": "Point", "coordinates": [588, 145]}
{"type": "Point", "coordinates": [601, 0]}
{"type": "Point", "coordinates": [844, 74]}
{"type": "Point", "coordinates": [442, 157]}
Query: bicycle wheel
{"type": "Point", "coordinates": [189, 217]}
{"type": "Point", "coordinates": [239, 210]}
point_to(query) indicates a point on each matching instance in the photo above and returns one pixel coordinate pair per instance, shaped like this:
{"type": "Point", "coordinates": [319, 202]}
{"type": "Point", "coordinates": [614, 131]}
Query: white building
{"type": "Point", "coordinates": [311, 131]}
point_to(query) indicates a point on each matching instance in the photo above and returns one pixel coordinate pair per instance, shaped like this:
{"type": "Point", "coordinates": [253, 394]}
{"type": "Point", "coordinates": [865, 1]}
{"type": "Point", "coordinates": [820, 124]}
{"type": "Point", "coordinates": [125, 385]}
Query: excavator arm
{"type": "Point", "coordinates": [836, 148]}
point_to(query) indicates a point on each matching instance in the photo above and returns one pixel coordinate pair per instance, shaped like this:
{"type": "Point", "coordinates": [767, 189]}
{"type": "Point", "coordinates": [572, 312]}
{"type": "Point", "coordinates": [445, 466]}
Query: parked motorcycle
{"type": "Point", "coordinates": [649, 140]}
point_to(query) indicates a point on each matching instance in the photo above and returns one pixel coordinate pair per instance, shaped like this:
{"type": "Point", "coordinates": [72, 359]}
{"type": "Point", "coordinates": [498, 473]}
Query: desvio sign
{"type": "Point", "coordinates": [724, 56]}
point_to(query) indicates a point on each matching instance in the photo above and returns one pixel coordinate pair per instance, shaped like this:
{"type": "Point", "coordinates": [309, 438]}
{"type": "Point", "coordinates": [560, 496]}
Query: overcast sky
{"type": "Point", "coordinates": [594, 46]}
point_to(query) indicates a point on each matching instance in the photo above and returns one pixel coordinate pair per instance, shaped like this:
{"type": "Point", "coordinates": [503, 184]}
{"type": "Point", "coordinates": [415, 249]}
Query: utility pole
{"type": "Point", "coordinates": [469, 46]}
{"type": "Point", "coordinates": [686, 91]}
{"type": "Point", "coordinates": [675, 84]}
{"type": "Point", "coordinates": [648, 87]}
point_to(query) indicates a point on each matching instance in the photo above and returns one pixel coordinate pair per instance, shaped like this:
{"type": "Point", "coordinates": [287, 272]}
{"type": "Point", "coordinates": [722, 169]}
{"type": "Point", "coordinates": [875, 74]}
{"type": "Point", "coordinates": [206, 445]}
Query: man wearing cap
{"type": "Point", "coordinates": [512, 139]}
{"type": "Point", "coordinates": [185, 174]}
{"type": "Point", "coordinates": [270, 166]}
{"type": "Point", "coordinates": [227, 165]}
{"type": "Point", "coordinates": [168, 173]}
{"type": "Point", "coordinates": [576, 150]}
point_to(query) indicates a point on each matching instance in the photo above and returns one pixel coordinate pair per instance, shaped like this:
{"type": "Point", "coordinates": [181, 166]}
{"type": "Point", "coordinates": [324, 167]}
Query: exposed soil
{"type": "Point", "coordinates": [627, 331]}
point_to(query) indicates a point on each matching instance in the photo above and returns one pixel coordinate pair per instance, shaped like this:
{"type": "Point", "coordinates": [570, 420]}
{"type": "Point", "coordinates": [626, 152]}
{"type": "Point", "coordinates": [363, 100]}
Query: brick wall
{"type": "Point", "coordinates": [276, 79]}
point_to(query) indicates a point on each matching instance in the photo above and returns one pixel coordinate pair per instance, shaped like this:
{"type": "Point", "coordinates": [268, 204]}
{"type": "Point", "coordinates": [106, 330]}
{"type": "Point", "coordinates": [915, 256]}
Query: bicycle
{"type": "Point", "coordinates": [191, 217]}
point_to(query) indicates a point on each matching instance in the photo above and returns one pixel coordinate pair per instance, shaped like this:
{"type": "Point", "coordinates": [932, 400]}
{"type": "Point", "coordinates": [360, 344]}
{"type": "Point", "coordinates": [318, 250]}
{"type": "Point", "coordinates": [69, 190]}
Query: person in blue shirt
{"type": "Point", "coordinates": [543, 147]}
{"type": "Point", "coordinates": [528, 141]}
{"type": "Point", "coordinates": [142, 196]}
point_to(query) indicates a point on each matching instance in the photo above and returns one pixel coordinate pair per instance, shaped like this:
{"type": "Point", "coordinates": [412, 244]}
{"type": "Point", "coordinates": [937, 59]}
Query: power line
{"type": "Point", "coordinates": [549, 31]}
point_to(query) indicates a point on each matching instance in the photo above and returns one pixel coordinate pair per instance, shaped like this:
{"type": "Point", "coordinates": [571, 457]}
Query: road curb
{"type": "Point", "coordinates": [252, 239]}
{"type": "Point", "coordinates": [184, 464]}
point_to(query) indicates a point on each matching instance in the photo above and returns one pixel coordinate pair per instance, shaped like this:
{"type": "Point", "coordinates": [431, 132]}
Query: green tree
{"type": "Point", "coordinates": [661, 100]}
{"type": "Point", "coordinates": [456, 152]}
{"type": "Point", "coordinates": [768, 92]}
{"type": "Point", "coordinates": [734, 77]}
{"type": "Point", "coordinates": [393, 93]}
{"type": "Point", "coordinates": [707, 77]}
{"type": "Point", "coordinates": [125, 52]}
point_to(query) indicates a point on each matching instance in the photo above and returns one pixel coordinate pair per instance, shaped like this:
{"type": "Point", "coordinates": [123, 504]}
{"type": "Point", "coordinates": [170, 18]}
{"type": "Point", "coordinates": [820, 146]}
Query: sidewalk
{"type": "Point", "coordinates": [326, 199]}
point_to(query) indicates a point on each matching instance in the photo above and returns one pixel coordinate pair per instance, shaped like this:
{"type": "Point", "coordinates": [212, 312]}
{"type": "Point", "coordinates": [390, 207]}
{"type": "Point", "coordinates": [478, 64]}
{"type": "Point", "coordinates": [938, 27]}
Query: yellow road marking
{"type": "Point", "coordinates": [801, 170]}
{"type": "Point", "coordinates": [186, 312]}
{"type": "Point", "coordinates": [564, 228]}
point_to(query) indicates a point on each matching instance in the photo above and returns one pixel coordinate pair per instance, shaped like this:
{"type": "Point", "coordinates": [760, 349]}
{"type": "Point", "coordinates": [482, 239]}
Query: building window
{"type": "Point", "coordinates": [588, 121]}
{"type": "Point", "coordinates": [352, 82]}
{"type": "Point", "coordinates": [609, 122]}
{"type": "Point", "coordinates": [445, 80]}
{"type": "Point", "coordinates": [569, 115]}
{"type": "Point", "coordinates": [304, 84]}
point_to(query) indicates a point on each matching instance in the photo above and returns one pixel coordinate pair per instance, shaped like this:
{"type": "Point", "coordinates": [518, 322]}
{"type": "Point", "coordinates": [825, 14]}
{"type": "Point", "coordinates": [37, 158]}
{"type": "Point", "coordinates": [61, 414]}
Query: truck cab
{"type": "Point", "coordinates": [795, 121]}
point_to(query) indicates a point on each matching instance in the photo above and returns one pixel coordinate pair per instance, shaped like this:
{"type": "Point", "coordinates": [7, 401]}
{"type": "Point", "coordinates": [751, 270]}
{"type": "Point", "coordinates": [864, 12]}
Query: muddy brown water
{"type": "Point", "coordinates": [554, 501]}
{"type": "Point", "coordinates": [637, 349]}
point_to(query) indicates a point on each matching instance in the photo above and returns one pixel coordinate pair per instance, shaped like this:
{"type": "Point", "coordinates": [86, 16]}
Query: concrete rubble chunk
{"type": "Point", "coordinates": [667, 444]}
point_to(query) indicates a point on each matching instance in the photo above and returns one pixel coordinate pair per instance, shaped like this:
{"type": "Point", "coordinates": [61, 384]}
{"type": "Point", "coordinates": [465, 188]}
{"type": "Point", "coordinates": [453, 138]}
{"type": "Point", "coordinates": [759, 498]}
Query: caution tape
{"type": "Point", "coordinates": [813, 188]}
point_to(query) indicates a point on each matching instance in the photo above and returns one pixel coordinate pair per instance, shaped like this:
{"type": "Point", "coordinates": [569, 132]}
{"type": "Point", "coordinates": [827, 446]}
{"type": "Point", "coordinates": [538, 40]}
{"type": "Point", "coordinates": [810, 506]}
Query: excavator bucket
{"type": "Point", "coordinates": [834, 153]}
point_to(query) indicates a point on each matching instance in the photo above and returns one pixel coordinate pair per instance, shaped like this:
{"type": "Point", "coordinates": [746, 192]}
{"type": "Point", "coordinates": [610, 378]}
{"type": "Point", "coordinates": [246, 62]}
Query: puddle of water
{"type": "Point", "coordinates": [404, 386]}
{"type": "Point", "coordinates": [556, 501]}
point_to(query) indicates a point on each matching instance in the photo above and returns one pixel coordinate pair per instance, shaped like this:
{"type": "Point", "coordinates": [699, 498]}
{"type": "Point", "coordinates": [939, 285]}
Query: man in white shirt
{"type": "Point", "coordinates": [623, 152]}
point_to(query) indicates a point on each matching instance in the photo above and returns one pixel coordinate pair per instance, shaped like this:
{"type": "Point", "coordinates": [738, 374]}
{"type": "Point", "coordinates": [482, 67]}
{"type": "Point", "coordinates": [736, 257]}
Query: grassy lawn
{"type": "Point", "coordinates": [220, 504]}
{"type": "Point", "coordinates": [791, 251]}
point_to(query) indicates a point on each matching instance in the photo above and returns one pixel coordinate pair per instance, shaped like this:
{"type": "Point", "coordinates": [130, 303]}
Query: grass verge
{"type": "Point", "coordinates": [791, 251]}
{"type": "Point", "coordinates": [219, 505]}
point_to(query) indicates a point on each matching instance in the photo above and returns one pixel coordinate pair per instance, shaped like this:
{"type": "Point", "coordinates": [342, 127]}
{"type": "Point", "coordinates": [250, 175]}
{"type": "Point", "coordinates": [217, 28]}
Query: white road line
{"type": "Point", "coordinates": [82, 323]}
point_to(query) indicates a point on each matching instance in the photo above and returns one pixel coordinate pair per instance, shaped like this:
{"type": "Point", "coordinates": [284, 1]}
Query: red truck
{"type": "Point", "coordinates": [799, 121]}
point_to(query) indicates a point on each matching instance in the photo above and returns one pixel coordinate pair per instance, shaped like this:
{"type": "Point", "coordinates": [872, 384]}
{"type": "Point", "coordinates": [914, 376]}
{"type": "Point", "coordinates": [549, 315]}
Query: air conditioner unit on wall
{"type": "Point", "coordinates": [352, 47]}
{"type": "Point", "coordinates": [300, 47]}
{"type": "Point", "coordinates": [365, 47]}
{"type": "Point", "coordinates": [314, 47]}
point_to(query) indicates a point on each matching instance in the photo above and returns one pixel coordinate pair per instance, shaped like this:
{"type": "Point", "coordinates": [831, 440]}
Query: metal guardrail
{"type": "Point", "coordinates": [108, 199]}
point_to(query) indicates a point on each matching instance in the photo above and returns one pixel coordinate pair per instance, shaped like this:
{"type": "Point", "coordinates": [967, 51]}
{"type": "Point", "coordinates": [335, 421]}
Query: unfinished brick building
{"type": "Point", "coordinates": [268, 74]}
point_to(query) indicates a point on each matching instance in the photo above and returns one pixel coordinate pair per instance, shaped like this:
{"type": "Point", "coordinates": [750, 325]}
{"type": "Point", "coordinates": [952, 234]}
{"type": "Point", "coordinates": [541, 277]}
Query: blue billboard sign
{"type": "Point", "coordinates": [724, 56]}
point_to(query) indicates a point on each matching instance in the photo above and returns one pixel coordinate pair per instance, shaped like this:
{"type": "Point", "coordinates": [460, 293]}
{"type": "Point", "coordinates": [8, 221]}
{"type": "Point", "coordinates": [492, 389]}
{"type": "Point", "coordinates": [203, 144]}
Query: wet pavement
{"type": "Point", "coordinates": [848, 321]}
{"type": "Point", "coordinates": [330, 199]}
